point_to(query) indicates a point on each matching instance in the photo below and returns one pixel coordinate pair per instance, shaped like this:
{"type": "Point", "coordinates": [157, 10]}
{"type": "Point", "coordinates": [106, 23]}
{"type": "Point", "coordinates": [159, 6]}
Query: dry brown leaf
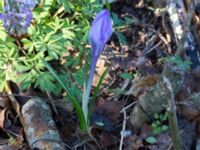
{"type": "Point", "coordinates": [135, 142]}
{"type": "Point", "coordinates": [4, 121]}
{"type": "Point", "coordinates": [4, 103]}
{"type": "Point", "coordinates": [2, 118]}
{"type": "Point", "coordinates": [107, 140]}
{"type": "Point", "coordinates": [140, 85]}
{"type": "Point", "coordinates": [110, 109]}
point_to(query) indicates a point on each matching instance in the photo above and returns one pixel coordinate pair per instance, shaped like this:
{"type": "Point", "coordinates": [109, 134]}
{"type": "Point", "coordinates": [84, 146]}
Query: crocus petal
{"type": "Point", "coordinates": [100, 32]}
{"type": "Point", "coordinates": [1, 16]}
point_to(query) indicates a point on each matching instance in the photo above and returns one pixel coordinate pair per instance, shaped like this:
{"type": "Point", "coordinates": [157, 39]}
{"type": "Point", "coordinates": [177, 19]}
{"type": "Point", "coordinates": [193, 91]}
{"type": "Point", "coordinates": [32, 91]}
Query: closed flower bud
{"type": "Point", "coordinates": [100, 32]}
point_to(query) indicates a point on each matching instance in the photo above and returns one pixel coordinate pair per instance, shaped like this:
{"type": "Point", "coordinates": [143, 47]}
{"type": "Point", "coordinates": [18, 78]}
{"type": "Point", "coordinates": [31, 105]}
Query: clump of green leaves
{"type": "Point", "coordinates": [159, 123]}
{"type": "Point", "coordinates": [178, 62]}
{"type": "Point", "coordinates": [57, 26]}
{"type": "Point", "coordinates": [51, 56]}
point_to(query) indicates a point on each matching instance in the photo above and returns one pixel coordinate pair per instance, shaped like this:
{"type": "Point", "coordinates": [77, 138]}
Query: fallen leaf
{"type": "Point", "coordinates": [135, 142]}
{"type": "Point", "coordinates": [4, 103]}
{"type": "Point", "coordinates": [110, 109]}
{"type": "Point", "coordinates": [106, 140]}
{"type": "Point", "coordinates": [4, 121]}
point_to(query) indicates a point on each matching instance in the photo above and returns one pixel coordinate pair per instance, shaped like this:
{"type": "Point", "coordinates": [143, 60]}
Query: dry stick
{"type": "Point", "coordinates": [123, 129]}
{"type": "Point", "coordinates": [52, 103]}
{"type": "Point", "coordinates": [124, 123]}
{"type": "Point", "coordinates": [186, 29]}
{"type": "Point", "coordinates": [128, 106]}
{"type": "Point", "coordinates": [154, 47]}
{"type": "Point", "coordinates": [161, 37]}
{"type": "Point", "coordinates": [171, 111]}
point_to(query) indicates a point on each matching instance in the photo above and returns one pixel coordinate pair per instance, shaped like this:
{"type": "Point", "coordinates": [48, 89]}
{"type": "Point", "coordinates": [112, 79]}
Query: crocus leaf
{"type": "Point", "coordinates": [75, 103]}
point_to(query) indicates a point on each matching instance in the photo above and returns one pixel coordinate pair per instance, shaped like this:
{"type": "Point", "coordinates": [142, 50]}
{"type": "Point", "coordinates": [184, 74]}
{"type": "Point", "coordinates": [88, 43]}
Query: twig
{"type": "Point", "coordinates": [161, 37]}
{"type": "Point", "coordinates": [123, 129]}
{"type": "Point", "coordinates": [128, 106]}
{"type": "Point", "coordinates": [154, 47]}
{"type": "Point", "coordinates": [171, 110]}
{"type": "Point", "coordinates": [20, 47]}
{"type": "Point", "coordinates": [52, 103]}
{"type": "Point", "coordinates": [186, 30]}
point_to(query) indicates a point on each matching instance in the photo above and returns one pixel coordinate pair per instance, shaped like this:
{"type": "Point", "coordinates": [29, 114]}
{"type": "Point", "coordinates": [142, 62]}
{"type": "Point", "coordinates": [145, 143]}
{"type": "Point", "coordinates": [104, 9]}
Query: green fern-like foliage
{"type": "Point", "coordinates": [58, 26]}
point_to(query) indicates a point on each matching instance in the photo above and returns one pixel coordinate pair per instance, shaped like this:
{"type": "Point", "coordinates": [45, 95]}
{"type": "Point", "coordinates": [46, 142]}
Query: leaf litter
{"type": "Point", "coordinates": [140, 55]}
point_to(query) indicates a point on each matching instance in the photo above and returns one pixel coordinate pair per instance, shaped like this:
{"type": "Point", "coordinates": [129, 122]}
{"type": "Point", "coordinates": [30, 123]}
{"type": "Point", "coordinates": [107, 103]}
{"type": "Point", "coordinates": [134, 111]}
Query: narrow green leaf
{"type": "Point", "coordinates": [75, 103]}
{"type": "Point", "coordinates": [108, 5]}
{"type": "Point", "coordinates": [97, 88]}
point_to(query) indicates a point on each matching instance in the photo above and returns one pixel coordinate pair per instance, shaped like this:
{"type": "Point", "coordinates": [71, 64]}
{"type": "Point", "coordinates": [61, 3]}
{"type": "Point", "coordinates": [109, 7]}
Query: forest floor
{"type": "Point", "coordinates": [135, 64]}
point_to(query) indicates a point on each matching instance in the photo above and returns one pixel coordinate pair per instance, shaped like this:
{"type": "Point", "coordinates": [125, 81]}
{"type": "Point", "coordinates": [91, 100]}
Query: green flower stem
{"type": "Point", "coordinates": [86, 94]}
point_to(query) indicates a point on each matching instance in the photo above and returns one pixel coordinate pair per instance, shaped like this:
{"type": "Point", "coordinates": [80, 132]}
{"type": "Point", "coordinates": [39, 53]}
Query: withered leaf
{"type": "Point", "coordinates": [4, 121]}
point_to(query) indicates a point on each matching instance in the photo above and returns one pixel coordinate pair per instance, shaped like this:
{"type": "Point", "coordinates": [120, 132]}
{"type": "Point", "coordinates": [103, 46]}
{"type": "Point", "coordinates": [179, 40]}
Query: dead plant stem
{"type": "Point", "coordinates": [123, 129]}
{"type": "Point", "coordinates": [171, 111]}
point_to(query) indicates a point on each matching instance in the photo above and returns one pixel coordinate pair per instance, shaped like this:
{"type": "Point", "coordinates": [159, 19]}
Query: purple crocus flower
{"type": "Point", "coordinates": [17, 16]}
{"type": "Point", "coordinates": [100, 32]}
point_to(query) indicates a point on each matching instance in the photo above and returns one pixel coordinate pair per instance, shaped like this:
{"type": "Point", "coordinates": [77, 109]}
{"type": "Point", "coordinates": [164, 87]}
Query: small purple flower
{"type": "Point", "coordinates": [28, 3]}
{"type": "Point", "coordinates": [17, 16]}
{"type": "Point", "coordinates": [100, 32]}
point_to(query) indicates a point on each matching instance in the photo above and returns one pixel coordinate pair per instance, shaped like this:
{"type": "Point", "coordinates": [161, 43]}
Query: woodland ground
{"type": "Point", "coordinates": [135, 54]}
